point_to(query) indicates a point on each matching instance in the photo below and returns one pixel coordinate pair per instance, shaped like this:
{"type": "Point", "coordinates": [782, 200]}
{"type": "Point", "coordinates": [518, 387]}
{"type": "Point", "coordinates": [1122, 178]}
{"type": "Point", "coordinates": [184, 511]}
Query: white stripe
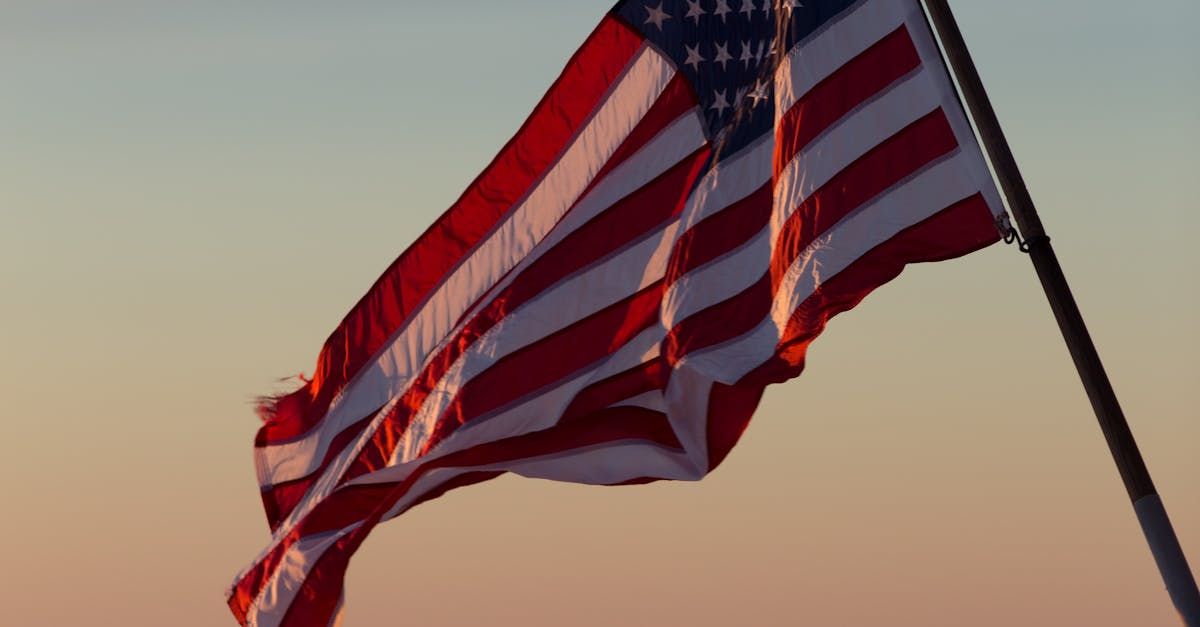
{"type": "Point", "coordinates": [637, 91]}
{"type": "Point", "coordinates": [604, 464]}
{"type": "Point", "coordinates": [730, 180]}
{"type": "Point", "coordinates": [936, 188]}
{"type": "Point", "coordinates": [277, 595]}
{"type": "Point", "coordinates": [644, 347]}
{"type": "Point", "coordinates": [818, 57]}
{"type": "Point", "coordinates": [931, 57]}
{"type": "Point", "coordinates": [652, 400]}
{"type": "Point", "coordinates": [610, 464]}
{"type": "Point", "coordinates": [813, 167]}
{"type": "Point", "coordinates": [687, 399]}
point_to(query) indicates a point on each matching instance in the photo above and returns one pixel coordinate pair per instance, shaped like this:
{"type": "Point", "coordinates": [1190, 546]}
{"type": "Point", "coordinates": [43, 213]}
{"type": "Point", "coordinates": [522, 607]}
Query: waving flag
{"type": "Point", "coordinates": [704, 187]}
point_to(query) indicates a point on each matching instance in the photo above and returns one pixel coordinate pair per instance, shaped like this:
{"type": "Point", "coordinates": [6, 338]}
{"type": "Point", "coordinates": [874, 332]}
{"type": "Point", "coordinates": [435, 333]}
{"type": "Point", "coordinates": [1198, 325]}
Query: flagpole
{"type": "Point", "coordinates": [1164, 544]}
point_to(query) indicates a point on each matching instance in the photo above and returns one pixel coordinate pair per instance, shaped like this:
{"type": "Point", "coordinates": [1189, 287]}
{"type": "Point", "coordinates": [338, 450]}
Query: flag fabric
{"type": "Point", "coordinates": [706, 184]}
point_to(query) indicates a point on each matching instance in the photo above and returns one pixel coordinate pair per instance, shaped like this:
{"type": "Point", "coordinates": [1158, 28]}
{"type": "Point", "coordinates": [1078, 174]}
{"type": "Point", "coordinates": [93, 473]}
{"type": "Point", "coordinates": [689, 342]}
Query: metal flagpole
{"type": "Point", "coordinates": [1164, 544]}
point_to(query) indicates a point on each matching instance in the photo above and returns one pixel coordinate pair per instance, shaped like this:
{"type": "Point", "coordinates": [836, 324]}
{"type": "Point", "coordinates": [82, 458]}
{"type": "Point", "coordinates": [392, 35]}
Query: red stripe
{"type": "Point", "coordinates": [721, 232]}
{"type": "Point", "coordinates": [898, 157]}
{"type": "Point", "coordinates": [649, 376]}
{"type": "Point", "coordinates": [421, 268]}
{"type": "Point", "coordinates": [867, 74]}
{"type": "Point", "coordinates": [960, 229]}
{"type": "Point", "coordinates": [729, 410]}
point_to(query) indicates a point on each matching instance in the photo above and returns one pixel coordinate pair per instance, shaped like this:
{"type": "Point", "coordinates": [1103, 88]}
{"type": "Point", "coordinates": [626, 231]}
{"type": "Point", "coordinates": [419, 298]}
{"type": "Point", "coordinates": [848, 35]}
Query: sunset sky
{"type": "Point", "coordinates": [193, 193]}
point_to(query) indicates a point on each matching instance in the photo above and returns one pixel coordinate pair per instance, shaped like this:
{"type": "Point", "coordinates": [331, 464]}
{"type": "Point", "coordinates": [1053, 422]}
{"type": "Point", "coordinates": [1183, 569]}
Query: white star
{"type": "Point", "coordinates": [723, 56]}
{"type": "Point", "coordinates": [748, 8]}
{"type": "Point", "coordinates": [760, 92]}
{"type": "Point", "coordinates": [722, 9]}
{"type": "Point", "coordinates": [747, 54]}
{"type": "Point", "coordinates": [694, 59]}
{"type": "Point", "coordinates": [720, 104]}
{"type": "Point", "coordinates": [657, 16]}
{"type": "Point", "coordinates": [763, 51]}
{"type": "Point", "coordinates": [767, 7]}
{"type": "Point", "coordinates": [694, 10]}
{"type": "Point", "coordinates": [769, 48]}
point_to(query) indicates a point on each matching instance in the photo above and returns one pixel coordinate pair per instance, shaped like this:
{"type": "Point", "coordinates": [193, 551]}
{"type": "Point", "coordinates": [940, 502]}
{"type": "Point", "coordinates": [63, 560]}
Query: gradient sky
{"type": "Point", "coordinates": [192, 193]}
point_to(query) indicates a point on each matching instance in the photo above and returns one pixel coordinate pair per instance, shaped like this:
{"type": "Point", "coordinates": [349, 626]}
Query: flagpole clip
{"type": "Point", "coordinates": [1012, 236]}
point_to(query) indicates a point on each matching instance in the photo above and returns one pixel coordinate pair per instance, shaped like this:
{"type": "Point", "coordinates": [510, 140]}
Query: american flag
{"type": "Point", "coordinates": [703, 188]}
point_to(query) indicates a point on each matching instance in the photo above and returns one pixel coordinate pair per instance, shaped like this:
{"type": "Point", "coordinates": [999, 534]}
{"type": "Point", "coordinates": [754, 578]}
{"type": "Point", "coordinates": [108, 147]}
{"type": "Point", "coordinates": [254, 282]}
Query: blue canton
{"type": "Point", "coordinates": [729, 50]}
